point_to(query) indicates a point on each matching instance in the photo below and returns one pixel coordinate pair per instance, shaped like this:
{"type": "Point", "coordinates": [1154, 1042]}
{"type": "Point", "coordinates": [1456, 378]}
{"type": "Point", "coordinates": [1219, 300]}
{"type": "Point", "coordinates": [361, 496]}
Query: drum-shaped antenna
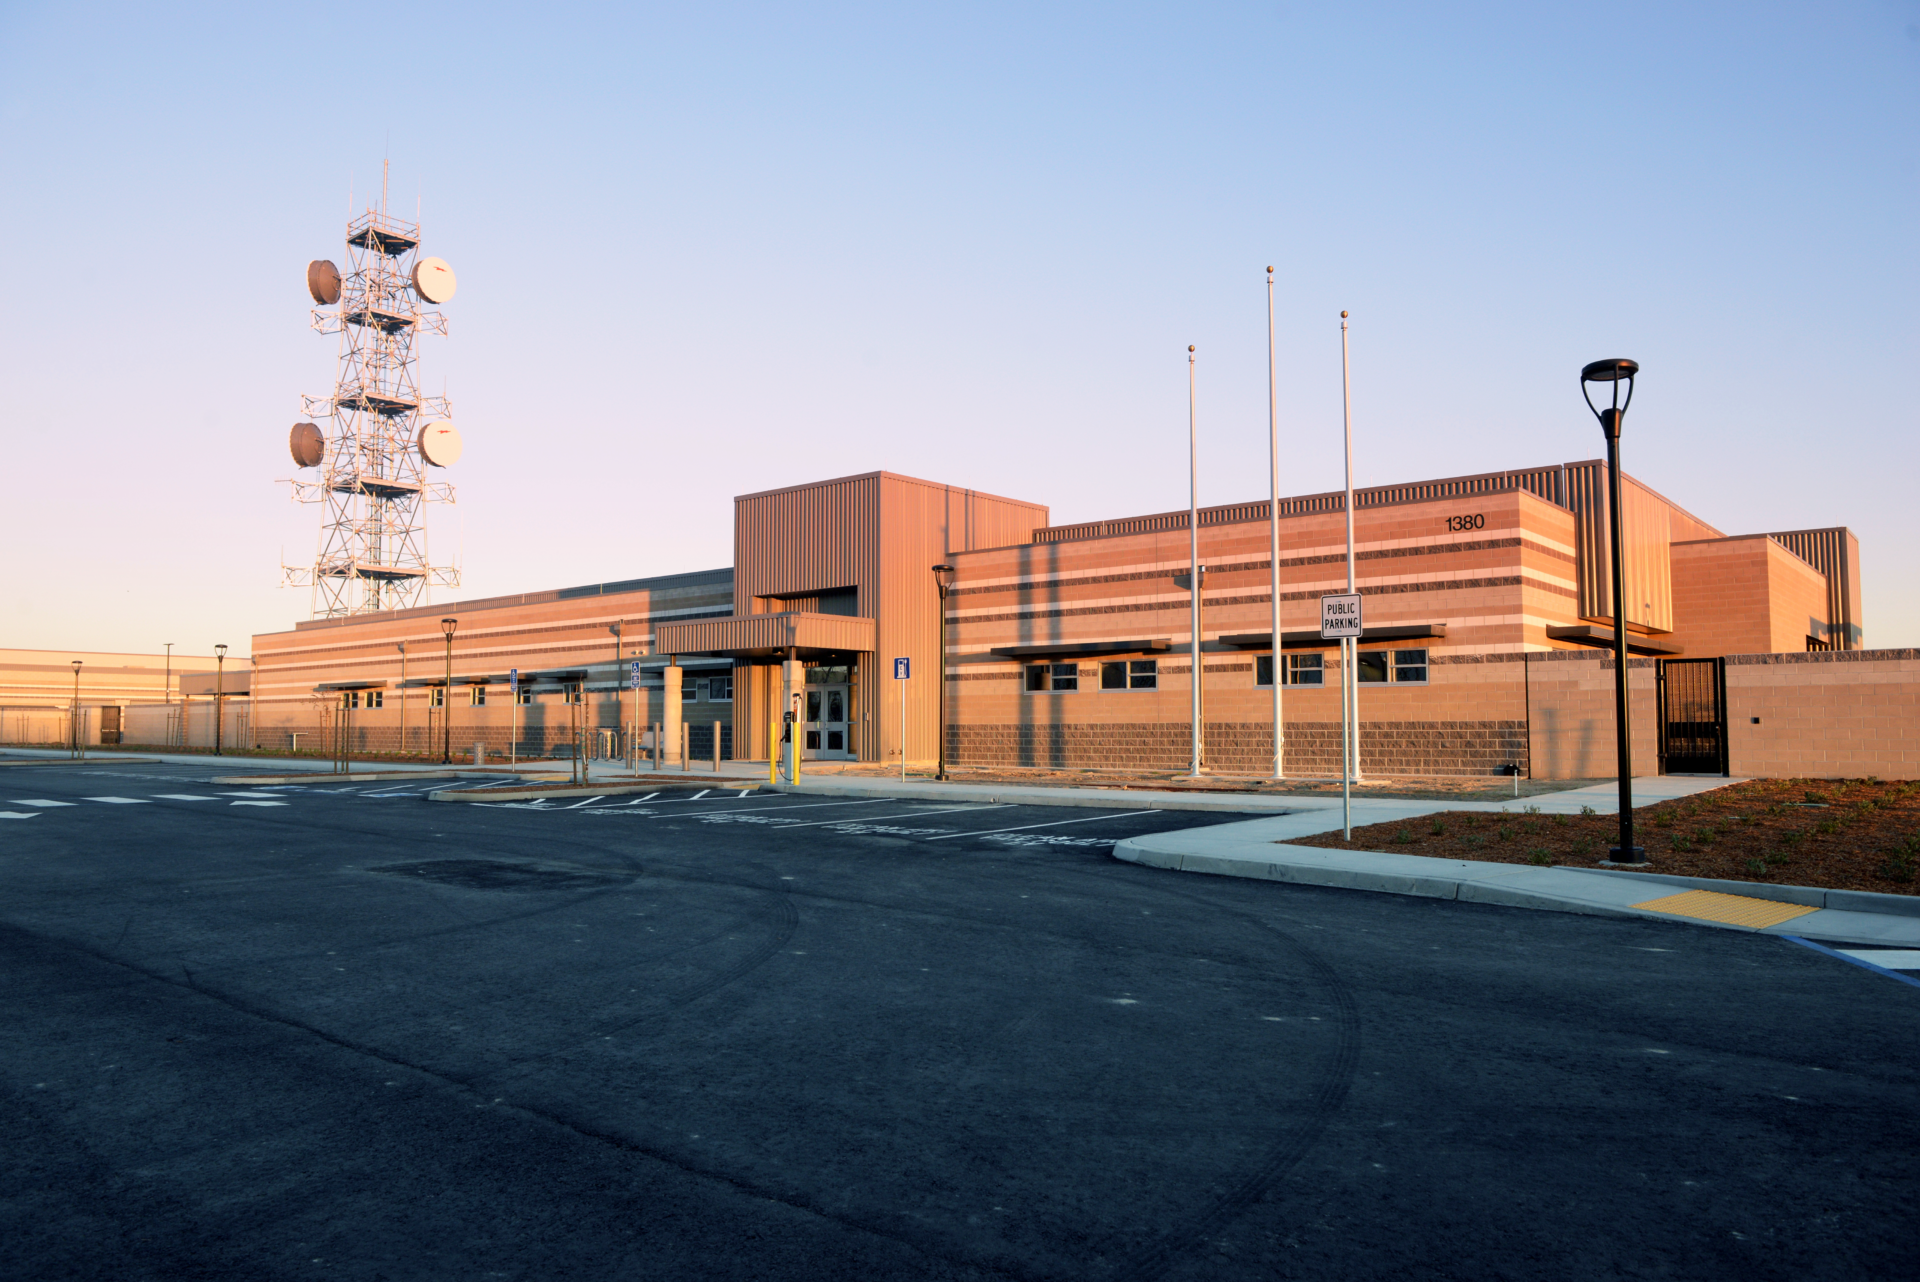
{"type": "Point", "coordinates": [323, 282]}
{"type": "Point", "coordinates": [440, 443]}
{"type": "Point", "coordinates": [433, 280]}
{"type": "Point", "coordinates": [306, 444]}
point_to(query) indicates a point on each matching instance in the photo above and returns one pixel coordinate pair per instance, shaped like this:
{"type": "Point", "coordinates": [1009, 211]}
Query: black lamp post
{"type": "Point", "coordinates": [1615, 373]}
{"type": "Point", "coordinates": [74, 719]}
{"type": "Point", "coordinates": [943, 579]}
{"type": "Point", "coordinates": [446, 697]}
{"type": "Point", "coordinates": [219, 695]}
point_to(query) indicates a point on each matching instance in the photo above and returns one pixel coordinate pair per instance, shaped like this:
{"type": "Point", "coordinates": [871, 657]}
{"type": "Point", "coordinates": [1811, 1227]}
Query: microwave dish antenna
{"type": "Point", "coordinates": [323, 282]}
{"type": "Point", "coordinates": [307, 444]}
{"type": "Point", "coordinates": [440, 443]}
{"type": "Point", "coordinates": [373, 435]}
{"type": "Point", "coordinates": [433, 280]}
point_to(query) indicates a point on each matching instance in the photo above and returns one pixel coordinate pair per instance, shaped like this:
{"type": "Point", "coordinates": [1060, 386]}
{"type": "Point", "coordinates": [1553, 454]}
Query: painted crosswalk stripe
{"type": "Point", "coordinates": [121, 801]}
{"type": "Point", "coordinates": [256, 803]}
{"type": "Point", "coordinates": [181, 796]}
{"type": "Point", "coordinates": [19, 814]}
{"type": "Point", "coordinates": [41, 801]}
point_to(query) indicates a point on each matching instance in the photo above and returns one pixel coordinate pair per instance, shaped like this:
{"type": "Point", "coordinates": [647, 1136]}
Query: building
{"type": "Point", "coordinates": [1486, 649]}
{"type": "Point", "coordinates": [135, 695]}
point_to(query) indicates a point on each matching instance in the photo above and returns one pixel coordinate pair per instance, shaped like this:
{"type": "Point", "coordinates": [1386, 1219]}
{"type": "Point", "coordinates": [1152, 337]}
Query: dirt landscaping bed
{"type": "Point", "coordinates": [1848, 834]}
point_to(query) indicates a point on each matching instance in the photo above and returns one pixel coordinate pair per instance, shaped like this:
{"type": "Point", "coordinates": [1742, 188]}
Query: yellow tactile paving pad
{"type": "Point", "coordinates": [1734, 910]}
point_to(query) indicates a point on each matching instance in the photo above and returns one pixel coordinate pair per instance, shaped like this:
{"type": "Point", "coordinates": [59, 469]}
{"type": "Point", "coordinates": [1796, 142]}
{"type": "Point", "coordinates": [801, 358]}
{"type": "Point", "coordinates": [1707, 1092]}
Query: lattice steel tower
{"type": "Point", "coordinates": [372, 458]}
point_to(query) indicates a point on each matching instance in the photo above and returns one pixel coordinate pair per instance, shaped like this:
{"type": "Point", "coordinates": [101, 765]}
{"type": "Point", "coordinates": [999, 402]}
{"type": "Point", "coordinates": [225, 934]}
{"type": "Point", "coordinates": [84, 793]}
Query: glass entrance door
{"type": "Point", "coordinates": [828, 734]}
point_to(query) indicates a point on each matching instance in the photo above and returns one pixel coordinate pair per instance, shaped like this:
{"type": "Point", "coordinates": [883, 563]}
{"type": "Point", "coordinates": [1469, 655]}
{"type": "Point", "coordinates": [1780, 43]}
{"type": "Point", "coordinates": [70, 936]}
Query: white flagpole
{"type": "Point", "coordinates": [1273, 532]}
{"type": "Point", "coordinates": [1193, 549]}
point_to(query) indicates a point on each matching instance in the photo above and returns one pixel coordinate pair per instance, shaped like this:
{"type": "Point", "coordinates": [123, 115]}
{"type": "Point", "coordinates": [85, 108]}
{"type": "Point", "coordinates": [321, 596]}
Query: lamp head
{"type": "Point", "coordinates": [447, 626]}
{"type": "Point", "coordinates": [1617, 371]}
{"type": "Point", "coordinates": [220, 651]}
{"type": "Point", "coordinates": [943, 575]}
{"type": "Point", "coordinates": [76, 666]}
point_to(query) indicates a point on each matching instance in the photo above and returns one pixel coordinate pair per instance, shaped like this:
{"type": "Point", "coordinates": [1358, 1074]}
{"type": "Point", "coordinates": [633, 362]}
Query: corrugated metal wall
{"type": "Point", "coordinates": [1835, 553]}
{"type": "Point", "coordinates": [1647, 534]}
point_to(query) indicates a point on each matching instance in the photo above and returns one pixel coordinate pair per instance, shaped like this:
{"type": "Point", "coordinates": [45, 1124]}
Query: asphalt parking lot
{"type": "Point", "coordinates": [341, 1031]}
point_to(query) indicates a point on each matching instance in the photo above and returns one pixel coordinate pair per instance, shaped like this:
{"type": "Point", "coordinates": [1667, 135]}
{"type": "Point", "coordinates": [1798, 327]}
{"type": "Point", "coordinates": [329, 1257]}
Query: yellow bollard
{"type": "Point", "coordinates": [773, 752]}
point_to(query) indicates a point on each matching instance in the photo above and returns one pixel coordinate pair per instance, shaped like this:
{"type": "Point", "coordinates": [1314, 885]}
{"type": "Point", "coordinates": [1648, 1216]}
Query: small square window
{"type": "Point", "coordinates": [1113, 676]}
{"type": "Point", "coordinates": [574, 693]}
{"type": "Point", "coordinates": [720, 689]}
{"type": "Point", "coordinates": [1306, 669]}
{"type": "Point", "coordinates": [1263, 670]}
{"type": "Point", "coordinates": [1036, 677]}
{"type": "Point", "coordinates": [477, 696]}
{"type": "Point", "coordinates": [689, 690]}
{"type": "Point", "coordinates": [1410, 666]}
{"type": "Point", "coordinates": [351, 698]}
{"type": "Point", "coordinates": [1143, 674]}
{"type": "Point", "coordinates": [1370, 665]}
{"type": "Point", "coordinates": [1059, 678]}
{"type": "Point", "coordinates": [376, 698]}
{"type": "Point", "coordinates": [525, 696]}
{"type": "Point", "coordinates": [437, 698]}
{"type": "Point", "coordinates": [1065, 676]}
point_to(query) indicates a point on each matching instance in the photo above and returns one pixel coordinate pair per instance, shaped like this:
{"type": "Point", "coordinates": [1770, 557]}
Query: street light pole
{"type": "Point", "coordinates": [1193, 554]}
{"type": "Point", "coordinates": [943, 579]}
{"type": "Point", "coordinates": [447, 626]}
{"type": "Point", "coordinates": [166, 691]}
{"type": "Point", "coordinates": [219, 696]}
{"type": "Point", "coordinates": [1616, 372]}
{"type": "Point", "coordinates": [74, 717]}
{"type": "Point", "coordinates": [1273, 534]}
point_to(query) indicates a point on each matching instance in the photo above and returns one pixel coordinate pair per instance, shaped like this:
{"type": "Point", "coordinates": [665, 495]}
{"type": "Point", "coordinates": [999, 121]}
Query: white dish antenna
{"type": "Point", "coordinates": [323, 282]}
{"type": "Point", "coordinates": [433, 280]}
{"type": "Point", "coordinates": [306, 444]}
{"type": "Point", "coordinates": [440, 443]}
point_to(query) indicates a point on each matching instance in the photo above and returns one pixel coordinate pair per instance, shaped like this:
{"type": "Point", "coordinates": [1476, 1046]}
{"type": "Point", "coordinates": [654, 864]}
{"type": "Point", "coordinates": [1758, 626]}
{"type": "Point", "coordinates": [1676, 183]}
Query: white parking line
{"type": "Point", "coordinates": [41, 801]}
{"type": "Point", "coordinates": [181, 796]}
{"type": "Point", "coordinates": [944, 810]}
{"type": "Point", "coordinates": [1131, 814]}
{"type": "Point", "coordinates": [256, 803]}
{"type": "Point", "coordinates": [121, 801]}
{"type": "Point", "coordinates": [19, 814]}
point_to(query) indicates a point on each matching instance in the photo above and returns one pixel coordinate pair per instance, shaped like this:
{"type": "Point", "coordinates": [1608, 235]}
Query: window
{"type": "Point", "coordinates": [574, 693]}
{"type": "Point", "coordinates": [1306, 669]}
{"type": "Point", "coordinates": [477, 696]}
{"type": "Point", "coordinates": [351, 699]}
{"type": "Point", "coordinates": [376, 698]}
{"type": "Point", "coordinates": [720, 689]}
{"type": "Point", "coordinates": [524, 696]}
{"type": "Point", "coordinates": [1410, 665]}
{"type": "Point", "coordinates": [1130, 674]}
{"type": "Point", "coordinates": [1370, 665]}
{"type": "Point", "coordinates": [437, 697]}
{"type": "Point", "coordinates": [1263, 670]}
{"type": "Point", "coordinates": [1057, 677]}
{"type": "Point", "coordinates": [689, 690]}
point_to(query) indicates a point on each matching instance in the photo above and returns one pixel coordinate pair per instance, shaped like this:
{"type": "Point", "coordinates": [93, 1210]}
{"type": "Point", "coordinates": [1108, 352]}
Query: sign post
{"type": "Point", "coordinates": [513, 697]}
{"type": "Point", "coordinates": [633, 733]}
{"type": "Point", "coordinates": [903, 672]}
{"type": "Point", "coordinates": [1340, 621]}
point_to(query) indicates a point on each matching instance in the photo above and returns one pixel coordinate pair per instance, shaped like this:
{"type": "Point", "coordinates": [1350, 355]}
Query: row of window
{"type": "Point", "coordinates": [710, 689]}
{"type": "Point", "coordinates": [1401, 667]}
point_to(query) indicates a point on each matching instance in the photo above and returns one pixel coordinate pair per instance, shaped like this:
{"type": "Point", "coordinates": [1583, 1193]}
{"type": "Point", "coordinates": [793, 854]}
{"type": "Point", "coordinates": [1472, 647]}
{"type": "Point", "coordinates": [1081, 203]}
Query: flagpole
{"type": "Point", "coordinates": [1273, 536]}
{"type": "Point", "coordinates": [1193, 552]}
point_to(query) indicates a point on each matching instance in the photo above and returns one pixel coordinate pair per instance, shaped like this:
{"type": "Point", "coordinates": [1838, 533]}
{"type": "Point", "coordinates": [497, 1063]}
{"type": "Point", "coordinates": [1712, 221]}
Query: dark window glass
{"type": "Point", "coordinates": [1410, 665]}
{"type": "Point", "coordinates": [813, 712]}
{"type": "Point", "coordinates": [1263, 670]}
{"type": "Point", "coordinates": [1306, 669]}
{"type": "Point", "coordinates": [720, 689]}
{"type": "Point", "coordinates": [1143, 674]}
{"type": "Point", "coordinates": [813, 739]}
{"type": "Point", "coordinates": [1370, 665]}
{"type": "Point", "coordinates": [836, 741]}
{"type": "Point", "coordinates": [477, 696]}
{"type": "Point", "coordinates": [1113, 676]}
{"type": "Point", "coordinates": [526, 695]}
{"type": "Point", "coordinates": [1065, 676]}
{"type": "Point", "coordinates": [835, 712]}
{"type": "Point", "coordinates": [1036, 677]}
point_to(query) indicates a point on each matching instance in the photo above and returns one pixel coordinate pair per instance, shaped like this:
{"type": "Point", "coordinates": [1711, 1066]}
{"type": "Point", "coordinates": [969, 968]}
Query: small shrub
{"type": "Point", "coordinates": [1559, 821]}
{"type": "Point", "coordinates": [1664, 819]}
{"type": "Point", "coordinates": [1506, 833]}
{"type": "Point", "coordinates": [1403, 836]}
{"type": "Point", "coordinates": [1793, 839]}
{"type": "Point", "coordinates": [1439, 829]}
{"type": "Point", "coordinates": [1827, 825]}
{"type": "Point", "coordinates": [1898, 867]}
{"type": "Point", "coordinates": [1588, 811]}
{"type": "Point", "coordinates": [1815, 799]}
{"type": "Point", "coordinates": [1541, 858]}
{"type": "Point", "coordinates": [1681, 844]}
{"type": "Point", "coordinates": [1533, 810]}
{"type": "Point", "coordinates": [1704, 836]}
{"type": "Point", "coordinates": [1476, 840]}
{"type": "Point", "coordinates": [1757, 866]}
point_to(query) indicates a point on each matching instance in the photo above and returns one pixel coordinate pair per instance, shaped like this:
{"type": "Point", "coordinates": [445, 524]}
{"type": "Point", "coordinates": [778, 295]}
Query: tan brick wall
{"type": "Point", "coordinates": [1571, 721]}
{"type": "Point", "coordinates": [1835, 715]}
{"type": "Point", "coordinates": [1745, 595]}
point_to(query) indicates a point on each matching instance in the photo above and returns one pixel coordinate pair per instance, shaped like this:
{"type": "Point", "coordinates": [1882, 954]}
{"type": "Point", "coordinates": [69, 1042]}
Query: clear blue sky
{"type": "Point", "coordinates": [705, 250]}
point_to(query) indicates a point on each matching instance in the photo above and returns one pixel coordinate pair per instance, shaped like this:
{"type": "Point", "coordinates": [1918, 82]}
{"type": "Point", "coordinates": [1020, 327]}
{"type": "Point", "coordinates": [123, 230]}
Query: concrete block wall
{"type": "Point", "coordinates": [1746, 595]}
{"type": "Point", "coordinates": [1570, 715]}
{"type": "Point", "coordinates": [1824, 715]}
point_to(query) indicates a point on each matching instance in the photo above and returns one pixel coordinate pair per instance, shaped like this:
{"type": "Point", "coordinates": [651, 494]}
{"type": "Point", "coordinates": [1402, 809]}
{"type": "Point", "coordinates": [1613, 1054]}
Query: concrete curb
{"type": "Point", "coordinates": [369, 776]}
{"type": "Point", "coordinates": [1028, 794]}
{"type": "Point", "coordinates": [1844, 915]}
{"type": "Point", "coordinates": [603, 790]}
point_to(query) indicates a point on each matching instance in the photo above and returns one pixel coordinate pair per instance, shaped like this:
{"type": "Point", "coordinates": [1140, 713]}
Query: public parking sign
{"type": "Point", "coordinates": [902, 669]}
{"type": "Point", "coordinates": [1340, 616]}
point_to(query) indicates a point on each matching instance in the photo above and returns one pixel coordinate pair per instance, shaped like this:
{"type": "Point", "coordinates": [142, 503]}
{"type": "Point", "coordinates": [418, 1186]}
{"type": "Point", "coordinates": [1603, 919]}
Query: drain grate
{"type": "Point", "coordinates": [499, 874]}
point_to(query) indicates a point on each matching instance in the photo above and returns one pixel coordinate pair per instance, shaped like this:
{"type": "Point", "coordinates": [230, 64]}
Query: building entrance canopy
{"type": "Point", "coordinates": [770, 635]}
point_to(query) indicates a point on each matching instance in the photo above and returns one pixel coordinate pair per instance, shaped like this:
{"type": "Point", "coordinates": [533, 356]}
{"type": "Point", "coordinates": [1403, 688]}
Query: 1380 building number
{"type": "Point", "coordinates": [1478, 521]}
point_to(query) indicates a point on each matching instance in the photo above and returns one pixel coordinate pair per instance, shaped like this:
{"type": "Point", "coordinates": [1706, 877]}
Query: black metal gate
{"type": "Point", "coordinates": [1693, 717]}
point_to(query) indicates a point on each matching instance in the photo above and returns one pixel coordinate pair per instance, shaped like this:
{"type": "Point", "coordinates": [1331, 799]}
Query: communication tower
{"type": "Point", "coordinates": [382, 432]}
